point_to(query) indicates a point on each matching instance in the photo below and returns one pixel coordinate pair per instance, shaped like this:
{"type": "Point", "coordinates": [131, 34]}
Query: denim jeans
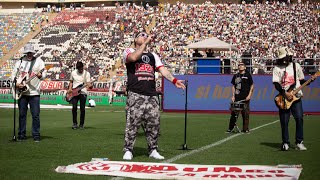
{"type": "Point", "coordinates": [297, 113]}
{"type": "Point", "coordinates": [34, 102]}
{"type": "Point", "coordinates": [82, 98]}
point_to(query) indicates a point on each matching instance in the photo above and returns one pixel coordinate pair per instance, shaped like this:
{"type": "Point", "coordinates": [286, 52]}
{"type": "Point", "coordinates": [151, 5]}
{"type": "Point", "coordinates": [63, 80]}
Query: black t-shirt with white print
{"type": "Point", "coordinates": [242, 84]}
{"type": "Point", "coordinates": [141, 73]}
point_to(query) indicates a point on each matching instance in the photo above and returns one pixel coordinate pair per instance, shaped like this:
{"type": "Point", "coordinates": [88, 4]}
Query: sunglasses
{"type": "Point", "coordinates": [241, 65]}
{"type": "Point", "coordinates": [144, 35]}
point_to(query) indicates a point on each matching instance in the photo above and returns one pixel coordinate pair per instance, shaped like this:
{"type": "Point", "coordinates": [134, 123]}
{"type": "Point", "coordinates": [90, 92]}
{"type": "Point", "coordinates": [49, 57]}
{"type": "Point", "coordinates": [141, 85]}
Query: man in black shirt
{"type": "Point", "coordinates": [196, 53]}
{"type": "Point", "coordinates": [242, 90]}
{"type": "Point", "coordinates": [142, 103]}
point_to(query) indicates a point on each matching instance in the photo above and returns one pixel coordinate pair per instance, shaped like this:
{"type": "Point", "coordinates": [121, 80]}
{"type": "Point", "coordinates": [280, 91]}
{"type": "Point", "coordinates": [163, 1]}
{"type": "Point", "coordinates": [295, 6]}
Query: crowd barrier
{"type": "Point", "coordinates": [58, 99]}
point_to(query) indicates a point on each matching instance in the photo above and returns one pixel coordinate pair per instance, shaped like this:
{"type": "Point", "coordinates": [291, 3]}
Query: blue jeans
{"type": "Point", "coordinates": [34, 102]}
{"type": "Point", "coordinates": [297, 113]}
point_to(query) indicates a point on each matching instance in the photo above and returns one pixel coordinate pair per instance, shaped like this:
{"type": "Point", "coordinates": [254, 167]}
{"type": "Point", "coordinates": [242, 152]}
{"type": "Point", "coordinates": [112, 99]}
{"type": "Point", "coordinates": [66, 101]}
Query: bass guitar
{"type": "Point", "coordinates": [76, 91]}
{"type": "Point", "coordinates": [24, 80]}
{"type": "Point", "coordinates": [283, 103]}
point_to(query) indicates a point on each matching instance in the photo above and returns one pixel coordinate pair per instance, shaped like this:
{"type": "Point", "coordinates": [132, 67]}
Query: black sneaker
{"type": "Point", "coordinates": [246, 131]}
{"type": "Point", "coordinates": [75, 126]}
{"type": "Point", "coordinates": [22, 138]}
{"type": "Point", "coordinates": [36, 139]}
{"type": "Point", "coordinates": [81, 127]}
{"type": "Point", "coordinates": [228, 131]}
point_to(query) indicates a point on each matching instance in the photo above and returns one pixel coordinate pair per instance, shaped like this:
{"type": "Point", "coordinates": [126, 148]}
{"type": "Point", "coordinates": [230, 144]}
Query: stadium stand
{"type": "Point", "coordinates": [15, 27]}
{"type": "Point", "coordinates": [97, 36]}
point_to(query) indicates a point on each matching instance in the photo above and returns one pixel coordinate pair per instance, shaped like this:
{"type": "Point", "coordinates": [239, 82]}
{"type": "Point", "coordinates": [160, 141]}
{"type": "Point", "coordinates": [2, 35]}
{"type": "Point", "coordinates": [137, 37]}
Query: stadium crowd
{"type": "Point", "coordinates": [98, 36]}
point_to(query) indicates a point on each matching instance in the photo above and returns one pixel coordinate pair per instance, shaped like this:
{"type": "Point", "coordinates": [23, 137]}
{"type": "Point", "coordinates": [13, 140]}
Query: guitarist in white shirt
{"type": "Point", "coordinates": [79, 77]}
{"type": "Point", "coordinates": [284, 78]}
{"type": "Point", "coordinates": [29, 67]}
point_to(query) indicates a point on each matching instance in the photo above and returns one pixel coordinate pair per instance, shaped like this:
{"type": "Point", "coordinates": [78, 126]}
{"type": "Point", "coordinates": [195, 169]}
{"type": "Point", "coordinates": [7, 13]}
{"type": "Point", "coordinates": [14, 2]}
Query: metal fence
{"type": "Point", "coordinates": [253, 65]}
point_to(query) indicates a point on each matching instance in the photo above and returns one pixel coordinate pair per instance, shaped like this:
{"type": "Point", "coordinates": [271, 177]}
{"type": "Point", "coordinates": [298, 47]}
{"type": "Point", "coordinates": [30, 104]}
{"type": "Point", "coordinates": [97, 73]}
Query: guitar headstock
{"type": "Point", "coordinates": [317, 74]}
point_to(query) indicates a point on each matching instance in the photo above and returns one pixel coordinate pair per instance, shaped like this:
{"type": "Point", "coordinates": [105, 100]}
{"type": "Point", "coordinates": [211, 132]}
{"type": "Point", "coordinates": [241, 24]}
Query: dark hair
{"type": "Point", "coordinates": [243, 61]}
{"type": "Point", "coordinates": [284, 61]}
{"type": "Point", "coordinates": [79, 65]}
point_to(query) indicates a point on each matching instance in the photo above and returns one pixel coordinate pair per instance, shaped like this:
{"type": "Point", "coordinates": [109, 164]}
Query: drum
{"type": "Point", "coordinates": [236, 106]}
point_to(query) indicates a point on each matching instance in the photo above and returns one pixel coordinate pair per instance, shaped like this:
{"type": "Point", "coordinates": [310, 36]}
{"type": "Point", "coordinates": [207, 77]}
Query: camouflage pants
{"type": "Point", "coordinates": [142, 109]}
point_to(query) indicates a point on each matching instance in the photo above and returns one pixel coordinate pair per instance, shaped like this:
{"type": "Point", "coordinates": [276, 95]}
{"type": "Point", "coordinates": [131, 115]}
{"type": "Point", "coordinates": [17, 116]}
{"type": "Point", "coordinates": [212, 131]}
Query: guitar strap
{"type": "Point", "coordinates": [85, 78]}
{"type": "Point", "coordinates": [32, 64]}
{"type": "Point", "coordinates": [294, 72]}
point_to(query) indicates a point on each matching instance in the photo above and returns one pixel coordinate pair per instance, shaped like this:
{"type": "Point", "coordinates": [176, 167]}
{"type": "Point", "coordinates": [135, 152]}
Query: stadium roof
{"type": "Point", "coordinates": [55, 1]}
{"type": "Point", "coordinates": [214, 44]}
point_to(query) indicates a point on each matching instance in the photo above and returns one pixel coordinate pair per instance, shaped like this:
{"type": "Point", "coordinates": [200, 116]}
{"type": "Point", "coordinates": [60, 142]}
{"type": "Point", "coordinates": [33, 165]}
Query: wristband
{"type": "Point", "coordinates": [174, 81]}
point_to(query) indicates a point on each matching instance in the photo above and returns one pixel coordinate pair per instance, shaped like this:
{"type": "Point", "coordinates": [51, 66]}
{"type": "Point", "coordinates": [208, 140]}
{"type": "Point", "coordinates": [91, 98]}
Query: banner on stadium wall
{"type": "Point", "coordinates": [145, 170]}
{"type": "Point", "coordinates": [61, 85]}
{"type": "Point", "coordinates": [213, 93]}
{"type": "Point", "coordinates": [58, 85]}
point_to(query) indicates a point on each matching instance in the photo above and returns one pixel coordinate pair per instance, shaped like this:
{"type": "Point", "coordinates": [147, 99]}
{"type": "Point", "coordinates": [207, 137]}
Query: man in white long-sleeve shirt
{"type": "Point", "coordinates": [28, 71]}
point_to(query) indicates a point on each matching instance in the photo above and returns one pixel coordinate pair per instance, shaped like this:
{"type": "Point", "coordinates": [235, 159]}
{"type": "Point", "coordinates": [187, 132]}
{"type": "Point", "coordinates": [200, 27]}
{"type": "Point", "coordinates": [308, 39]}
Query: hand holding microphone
{"type": "Point", "coordinates": [150, 38]}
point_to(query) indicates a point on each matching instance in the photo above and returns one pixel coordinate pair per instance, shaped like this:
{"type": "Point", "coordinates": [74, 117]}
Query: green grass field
{"type": "Point", "coordinates": [103, 137]}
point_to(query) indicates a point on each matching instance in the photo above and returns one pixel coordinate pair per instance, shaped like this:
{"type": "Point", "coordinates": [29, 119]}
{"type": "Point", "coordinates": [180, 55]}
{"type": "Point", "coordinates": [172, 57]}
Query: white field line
{"type": "Point", "coordinates": [217, 143]}
{"type": "Point", "coordinates": [180, 156]}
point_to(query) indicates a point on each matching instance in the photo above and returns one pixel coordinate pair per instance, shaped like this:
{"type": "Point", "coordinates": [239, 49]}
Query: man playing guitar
{"type": "Point", "coordinates": [32, 67]}
{"type": "Point", "coordinates": [79, 77]}
{"type": "Point", "coordinates": [286, 75]}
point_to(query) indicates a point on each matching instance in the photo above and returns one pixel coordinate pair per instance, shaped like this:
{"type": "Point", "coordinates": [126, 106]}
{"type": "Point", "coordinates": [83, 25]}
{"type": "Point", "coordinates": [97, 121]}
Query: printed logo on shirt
{"type": "Point", "coordinates": [141, 67]}
{"type": "Point", "coordinates": [145, 59]}
{"type": "Point", "coordinates": [287, 80]}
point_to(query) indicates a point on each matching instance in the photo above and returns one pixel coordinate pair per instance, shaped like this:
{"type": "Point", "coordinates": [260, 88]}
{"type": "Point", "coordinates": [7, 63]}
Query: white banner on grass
{"type": "Point", "coordinates": [145, 170]}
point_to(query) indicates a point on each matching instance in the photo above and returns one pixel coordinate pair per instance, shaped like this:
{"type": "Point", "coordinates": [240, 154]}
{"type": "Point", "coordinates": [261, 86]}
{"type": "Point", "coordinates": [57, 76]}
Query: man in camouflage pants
{"type": "Point", "coordinates": [143, 103]}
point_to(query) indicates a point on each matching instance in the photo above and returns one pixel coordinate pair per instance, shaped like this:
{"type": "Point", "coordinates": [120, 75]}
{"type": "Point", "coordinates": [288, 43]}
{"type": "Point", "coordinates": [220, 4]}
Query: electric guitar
{"type": "Point", "coordinates": [76, 91]}
{"type": "Point", "coordinates": [283, 103]}
{"type": "Point", "coordinates": [24, 80]}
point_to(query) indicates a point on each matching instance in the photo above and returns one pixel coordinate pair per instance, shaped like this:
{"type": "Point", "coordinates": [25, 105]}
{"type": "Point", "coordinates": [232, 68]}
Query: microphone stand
{"type": "Point", "coordinates": [185, 146]}
{"type": "Point", "coordinates": [14, 83]}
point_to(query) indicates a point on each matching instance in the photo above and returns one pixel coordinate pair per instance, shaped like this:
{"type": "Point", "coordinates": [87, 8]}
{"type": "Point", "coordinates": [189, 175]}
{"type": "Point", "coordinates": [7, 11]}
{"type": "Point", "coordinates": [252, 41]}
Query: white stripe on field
{"type": "Point", "coordinates": [180, 156]}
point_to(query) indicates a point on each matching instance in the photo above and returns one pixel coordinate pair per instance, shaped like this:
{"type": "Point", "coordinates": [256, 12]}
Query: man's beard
{"type": "Point", "coordinates": [29, 58]}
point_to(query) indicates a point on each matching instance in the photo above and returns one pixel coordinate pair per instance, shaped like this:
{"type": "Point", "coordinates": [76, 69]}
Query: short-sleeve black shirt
{"type": "Point", "coordinates": [242, 84]}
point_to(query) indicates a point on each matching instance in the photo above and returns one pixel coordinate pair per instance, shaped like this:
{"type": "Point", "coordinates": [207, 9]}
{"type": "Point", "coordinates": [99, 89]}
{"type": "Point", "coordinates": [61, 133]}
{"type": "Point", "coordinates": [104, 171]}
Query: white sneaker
{"type": "Point", "coordinates": [285, 147]}
{"type": "Point", "coordinates": [154, 154]}
{"type": "Point", "coordinates": [127, 155]}
{"type": "Point", "coordinates": [301, 147]}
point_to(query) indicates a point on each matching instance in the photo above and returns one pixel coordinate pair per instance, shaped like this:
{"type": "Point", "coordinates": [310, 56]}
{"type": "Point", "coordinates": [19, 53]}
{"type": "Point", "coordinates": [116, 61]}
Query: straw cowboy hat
{"type": "Point", "coordinates": [283, 52]}
{"type": "Point", "coordinates": [28, 48]}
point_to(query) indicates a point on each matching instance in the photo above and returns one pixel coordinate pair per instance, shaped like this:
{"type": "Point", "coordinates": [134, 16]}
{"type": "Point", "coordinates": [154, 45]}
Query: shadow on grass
{"type": "Point", "coordinates": [45, 137]}
{"type": "Point", "coordinates": [270, 144]}
{"type": "Point", "coordinates": [140, 151]}
{"type": "Point", "coordinates": [85, 127]}
{"type": "Point", "coordinates": [139, 134]}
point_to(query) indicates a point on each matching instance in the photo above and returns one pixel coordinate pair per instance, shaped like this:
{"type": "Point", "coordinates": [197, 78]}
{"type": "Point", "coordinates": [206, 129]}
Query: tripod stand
{"type": "Point", "coordinates": [236, 108]}
{"type": "Point", "coordinates": [235, 127]}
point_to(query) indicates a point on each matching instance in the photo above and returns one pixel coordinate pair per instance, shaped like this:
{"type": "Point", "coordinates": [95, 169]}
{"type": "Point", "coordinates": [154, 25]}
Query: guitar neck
{"type": "Point", "coordinates": [302, 86]}
{"type": "Point", "coordinates": [84, 86]}
{"type": "Point", "coordinates": [32, 77]}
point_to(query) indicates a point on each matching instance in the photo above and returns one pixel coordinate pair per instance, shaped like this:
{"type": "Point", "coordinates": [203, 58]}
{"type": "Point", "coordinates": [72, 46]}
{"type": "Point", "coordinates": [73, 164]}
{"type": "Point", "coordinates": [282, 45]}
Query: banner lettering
{"type": "Point", "coordinates": [182, 171]}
